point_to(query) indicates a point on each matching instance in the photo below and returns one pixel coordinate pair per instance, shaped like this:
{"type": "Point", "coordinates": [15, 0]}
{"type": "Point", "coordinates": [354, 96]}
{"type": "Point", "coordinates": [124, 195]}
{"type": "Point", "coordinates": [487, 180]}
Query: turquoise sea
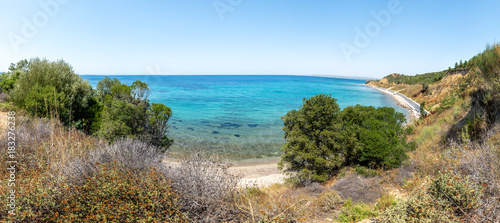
{"type": "Point", "coordinates": [239, 116]}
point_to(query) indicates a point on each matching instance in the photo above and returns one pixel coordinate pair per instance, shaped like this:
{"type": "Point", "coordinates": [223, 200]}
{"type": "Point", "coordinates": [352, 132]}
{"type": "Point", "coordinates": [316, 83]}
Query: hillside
{"type": "Point", "coordinates": [449, 169]}
{"type": "Point", "coordinates": [462, 130]}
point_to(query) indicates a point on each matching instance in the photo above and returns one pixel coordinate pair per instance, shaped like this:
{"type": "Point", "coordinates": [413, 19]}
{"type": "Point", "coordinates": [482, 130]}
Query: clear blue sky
{"type": "Point", "coordinates": [247, 36]}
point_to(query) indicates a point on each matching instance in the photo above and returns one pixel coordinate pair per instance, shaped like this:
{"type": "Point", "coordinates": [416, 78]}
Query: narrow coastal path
{"type": "Point", "coordinates": [402, 100]}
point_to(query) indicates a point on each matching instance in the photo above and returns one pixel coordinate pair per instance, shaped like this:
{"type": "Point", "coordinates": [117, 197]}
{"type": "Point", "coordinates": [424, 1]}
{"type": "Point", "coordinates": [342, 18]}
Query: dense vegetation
{"type": "Point", "coordinates": [320, 138]}
{"type": "Point", "coordinates": [113, 110]}
{"type": "Point", "coordinates": [427, 78]}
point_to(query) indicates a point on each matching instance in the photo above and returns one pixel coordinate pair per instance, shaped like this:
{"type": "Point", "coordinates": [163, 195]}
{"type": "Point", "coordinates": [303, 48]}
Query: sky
{"type": "Point", "coordinates": [295, 37]}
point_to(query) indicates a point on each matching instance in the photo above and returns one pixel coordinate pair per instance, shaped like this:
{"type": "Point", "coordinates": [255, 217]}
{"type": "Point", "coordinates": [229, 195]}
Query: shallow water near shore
{"type": "Point", "coordinates": [239, 116]}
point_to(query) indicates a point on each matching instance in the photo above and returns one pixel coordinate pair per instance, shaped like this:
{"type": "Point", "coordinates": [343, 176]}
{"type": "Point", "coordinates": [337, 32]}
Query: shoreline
{"type": "Point", "coordinates": [402, 101]}
{"type": "Point", "coordinates": [252, 172]}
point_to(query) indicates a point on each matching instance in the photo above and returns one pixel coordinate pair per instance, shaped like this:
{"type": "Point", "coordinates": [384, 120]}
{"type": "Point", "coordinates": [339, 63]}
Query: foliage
{"type": "Point", "coordinates": [425, 88]}
{"type": "Point", "coordinates": [158, 117]}
{"type": "Point", "coordinates": [329, 200]}
{"type": "Point", "coordinates": [52, 89]}
{"type": "Point", "coordinates": [321, 139]}
{"type": "Point", "coordinates": [422, 110]}
{"type": "Point", "coordinates": [488, 63]}
{"type": "Point", "coordinates": [420, 207]}
{"type": "Point", "coordinates": [456, 191]}
{"type": "Point", "coordinates": [450, 195]}
{"type": "Point", "coordinates": [479, 163]}
{"type": "Point", "coordinates": [118, 194]}
{"type": "Point", "coordinates": [126, 112]}
{"type": "Point", "coordinates": [8, 80]}
{"type": "Point", "coordinates": [365, 171]}
{"type": "Point", "coordinates": [376, 135]}
{"type": "Point", "coordinates": [113, 111]}
{"type": "Point", "coordinates": [355, 212]}
{"type": "Point", "coordinates": [424, 79]}
{"type": "Point", "coordinates": [310, 134]}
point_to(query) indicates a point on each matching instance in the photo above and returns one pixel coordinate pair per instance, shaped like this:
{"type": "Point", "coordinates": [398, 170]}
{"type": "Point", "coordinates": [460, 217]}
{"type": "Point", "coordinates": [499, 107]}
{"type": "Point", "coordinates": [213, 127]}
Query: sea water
{"type": "Point", "coordinates": [239, 116]}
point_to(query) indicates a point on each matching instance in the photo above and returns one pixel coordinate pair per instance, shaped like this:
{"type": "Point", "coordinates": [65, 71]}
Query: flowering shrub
{"type": "Point", "coordinates": [119, 195]}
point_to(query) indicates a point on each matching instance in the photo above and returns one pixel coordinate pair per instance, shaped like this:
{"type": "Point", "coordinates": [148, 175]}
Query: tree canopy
{"type": "Point", "coordinates": [321, 138]}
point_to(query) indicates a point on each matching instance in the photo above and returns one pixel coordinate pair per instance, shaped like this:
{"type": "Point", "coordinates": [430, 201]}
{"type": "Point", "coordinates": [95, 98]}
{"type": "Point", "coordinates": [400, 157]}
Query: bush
{"type": "Point", "coordinates": [37, 197]}
{"type": "Point", "coordinates": [457, 191]}
{"type": "Point", "coordinates": [328, 201]}
{"type": "Point", "coordinates": [321, 139]}
{"type": "Point", "coordinates": [480, 164]}
{"type": "Point", "coordinates": [126, 112]}
{"type": "Point", "coordinates": [117, 194]}
{"type": "Point", "coordinates": [52, 89]}
{"type": "Point", "coordinates": [132, 154]}
{"type": "Point", "coordinates": [488, 63]}
{"type": "Point", "coordinates": [418, 208]}
{"type": "Point", "coordinates": [207, 189]}
{"type": "Point", "coordinates": [355, 212]}
{"type": "Point", "coordinates": [358, 188]}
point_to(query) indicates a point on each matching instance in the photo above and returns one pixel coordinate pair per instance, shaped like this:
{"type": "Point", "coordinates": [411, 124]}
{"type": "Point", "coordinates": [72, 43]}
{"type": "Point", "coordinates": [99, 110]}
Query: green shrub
{"type": "Point", "coordinates": [456, 191]}
{"type": "Point", "coordinates": [47, 88]}
{"type": "Point", "coordinates": [126, 112]}
{"type": "Point", "coordinates": [488, 63]}
{"type": "Point", "coordinates": [423, 79]}
{"type": "Point", "coordinates": [418, 208]}
{"type": "Point", "coordinates": [384, 202]}
{"type": "Point", "coordinates": [355, 212]}
{"type": "Point", "coordinates": [366, 172]}
{"type": "Point", "coordinates": [321, 139]}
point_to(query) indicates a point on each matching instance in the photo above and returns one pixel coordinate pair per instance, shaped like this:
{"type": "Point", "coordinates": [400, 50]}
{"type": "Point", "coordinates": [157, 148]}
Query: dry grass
{"type": "Point", "coordinates": [359, 188]}
{"type": "Point", "coordinates": [288, 203]}
{"type": "Point", "coordinates": [131, 154]}
{"type": "Point", "coordinates": [207, 189]}
{"type": "Point", "coordinates": [480, 162]}
{"type": "Point", "coordinates": [43, 144]}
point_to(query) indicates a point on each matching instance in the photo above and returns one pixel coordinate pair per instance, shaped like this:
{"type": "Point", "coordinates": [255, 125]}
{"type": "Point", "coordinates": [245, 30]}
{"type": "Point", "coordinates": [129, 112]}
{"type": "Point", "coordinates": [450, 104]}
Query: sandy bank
{"type": "Point", "coordinates": [252, 172]}
{"type": "Point", "coordinates": [260, 174]}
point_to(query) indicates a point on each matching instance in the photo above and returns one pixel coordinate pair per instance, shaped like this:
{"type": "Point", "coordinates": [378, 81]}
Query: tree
{"type": "Point", "coordinates": [310, 133]}
{"type": "Point", "coordinates": [488, 63]}
{"type": "Point", "coordinates": [104, 87]}
{"type": "Point", "coordinates": [422, 110]}
{"type": "Point", "coordinates": [377, 136]}
{"type": "Point", "coordinates": [425, 88]}
{"type": "Point", "coordinates": [140, 90]}
{"type": "Point", "coordinates": [126, 112]}
{"type": "Point", "coordinates": [320, 138]}
{"type": "Point", "coordinates": [158, 123]}
{"type": "Point", "coordinates": [21, 65]}
{"type": "Point", "coordinates": [47, 88]}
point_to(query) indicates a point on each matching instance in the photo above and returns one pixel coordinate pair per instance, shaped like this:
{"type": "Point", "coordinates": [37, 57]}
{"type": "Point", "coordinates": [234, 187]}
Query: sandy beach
{"type": "Point", "coordinates": [252, 172]}
{"type": "Point", "coordinates": [259, 173]}
{"type": "Point", "coordinates": [402, 101]}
